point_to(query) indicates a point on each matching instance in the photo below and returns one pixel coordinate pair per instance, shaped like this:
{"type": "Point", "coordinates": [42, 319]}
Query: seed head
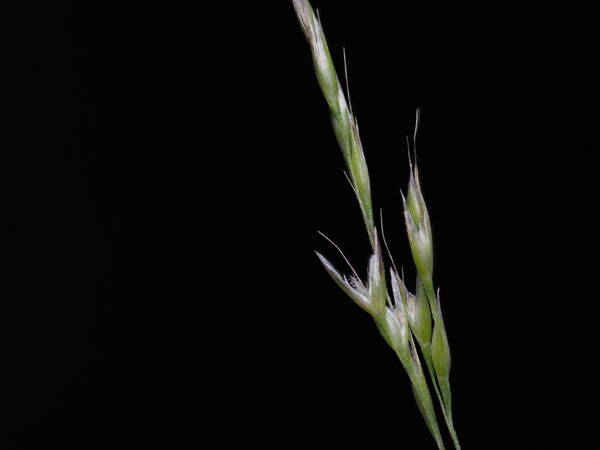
{"type": "Point", "coordinates": [394, 328]}
{"type": "Point", "coordinates": [371, 296]}
{"type": "Point", "coordinates": [344, 123]}
{"type": "Point", "coordinates": [377, 286]}
{"type": "Point", "coordinates": [323, 63]}
{"type": "Point", "coordinates": [418, 227]}
{"type": "Point", "coordinates": [351, 285]}
{"type": "Point", "coordinates": [417, 309]}
{"type": "Point", "coordinates": [422, 315]}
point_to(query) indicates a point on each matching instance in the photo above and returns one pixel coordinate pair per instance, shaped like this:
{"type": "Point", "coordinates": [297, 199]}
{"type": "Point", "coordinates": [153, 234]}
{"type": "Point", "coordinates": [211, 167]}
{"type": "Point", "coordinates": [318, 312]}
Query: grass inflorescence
{"type": "Point", "coordinates": [406, 321]}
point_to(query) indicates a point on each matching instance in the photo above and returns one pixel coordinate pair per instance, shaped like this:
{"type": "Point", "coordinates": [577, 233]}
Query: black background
{"type": "Point", "coordinates": [171, 168]}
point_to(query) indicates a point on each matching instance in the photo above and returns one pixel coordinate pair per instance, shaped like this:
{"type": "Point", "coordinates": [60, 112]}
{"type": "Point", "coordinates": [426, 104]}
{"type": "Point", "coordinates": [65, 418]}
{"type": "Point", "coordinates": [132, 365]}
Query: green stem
{"type": "Point", "coordinates": [442, 385]}
{"type": "Point", "coordinates": [447, 411]}
{"type": "Point", "coordinates": [445, 388]}
{"type": "Point", "coordinates": [424, 402]}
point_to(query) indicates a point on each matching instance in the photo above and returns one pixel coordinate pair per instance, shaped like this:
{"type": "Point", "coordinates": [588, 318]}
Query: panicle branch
{"type": "Point", "coordinates": [403, 317]}
{"type": "Point", "coordinates": [343, 121]}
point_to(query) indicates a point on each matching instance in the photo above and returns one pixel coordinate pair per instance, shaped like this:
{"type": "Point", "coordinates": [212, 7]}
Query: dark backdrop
{"type": "Point", "coordinates": [171, 169]}
{"type": "Point", "coordinates": [505, 174]}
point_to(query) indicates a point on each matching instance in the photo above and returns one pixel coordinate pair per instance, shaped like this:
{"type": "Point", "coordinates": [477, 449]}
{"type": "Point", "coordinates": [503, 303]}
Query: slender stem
{"type": "Point", "coordinates": [449, 421]}
{"type": "Point", "coordinates": [447, 413]}
{"type": "Point", "coordinates": [423, 399]}
{"type": "Point", "coordinates": [445, 400]}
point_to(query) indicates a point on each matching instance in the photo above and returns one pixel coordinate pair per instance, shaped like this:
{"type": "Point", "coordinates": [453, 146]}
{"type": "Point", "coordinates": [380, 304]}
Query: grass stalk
{"type": "Point", "coordinates": [401, 317]}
